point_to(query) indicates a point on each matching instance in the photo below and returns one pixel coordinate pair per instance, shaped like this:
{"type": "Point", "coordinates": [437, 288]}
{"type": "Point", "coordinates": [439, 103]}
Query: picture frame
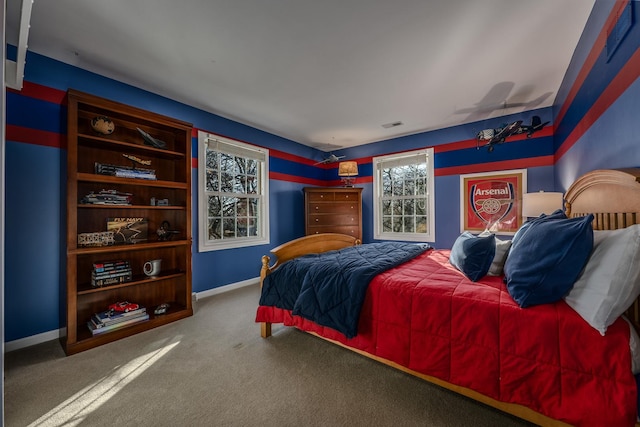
{"type": "Point", "coordinates": [492, 201]}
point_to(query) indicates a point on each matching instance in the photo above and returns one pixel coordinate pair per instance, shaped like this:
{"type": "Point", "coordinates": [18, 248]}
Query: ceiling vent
{"type": "Point", "coordinates": [391, 125]}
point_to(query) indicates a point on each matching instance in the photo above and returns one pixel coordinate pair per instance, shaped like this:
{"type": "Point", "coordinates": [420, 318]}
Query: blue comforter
{"type": "Point", "coordinates": [329, 288]}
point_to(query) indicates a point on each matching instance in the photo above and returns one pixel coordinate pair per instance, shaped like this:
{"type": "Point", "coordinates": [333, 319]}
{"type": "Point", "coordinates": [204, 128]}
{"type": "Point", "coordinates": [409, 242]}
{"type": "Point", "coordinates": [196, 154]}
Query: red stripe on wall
{"type": "Point", "coordinates": [530, 162]}
{"type": "Point", "coordinates": [297, 179]}
{"type": "Point", "coordinates": [596, 50]}
{"type": "Point", "coordinates": [627, 75]}
{"type": "Point", "coordinates": [45, 93]}
{"type": "Point", "coordinates": [34, 136]}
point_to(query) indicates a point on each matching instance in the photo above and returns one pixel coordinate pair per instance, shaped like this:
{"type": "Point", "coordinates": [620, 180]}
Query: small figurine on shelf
{"type": "Point", "coordinates": [164, 233]}
{"type": "Point", "coordinates": [103, 125]}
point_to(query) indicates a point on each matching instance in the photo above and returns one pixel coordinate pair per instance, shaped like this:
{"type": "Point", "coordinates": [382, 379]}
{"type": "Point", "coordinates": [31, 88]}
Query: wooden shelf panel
{"type": "Point", "coordinates": [84, 289]}
{"type": "Point", "coordinates": [87, 341]}
{"type": "Point", "coordinates": [106, 179]}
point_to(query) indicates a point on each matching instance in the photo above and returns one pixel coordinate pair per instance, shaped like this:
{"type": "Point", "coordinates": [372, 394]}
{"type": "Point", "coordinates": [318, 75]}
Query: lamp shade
{"type": "Point", "coordinates": [348, 169]}
{"type": "Point", "coordinates": [542, 202]}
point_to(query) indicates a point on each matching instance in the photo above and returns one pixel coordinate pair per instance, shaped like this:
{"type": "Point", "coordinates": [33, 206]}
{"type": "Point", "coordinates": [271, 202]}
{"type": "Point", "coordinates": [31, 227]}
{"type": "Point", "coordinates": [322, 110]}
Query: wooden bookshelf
{"type": "Point", "coordinates": [172, 166]}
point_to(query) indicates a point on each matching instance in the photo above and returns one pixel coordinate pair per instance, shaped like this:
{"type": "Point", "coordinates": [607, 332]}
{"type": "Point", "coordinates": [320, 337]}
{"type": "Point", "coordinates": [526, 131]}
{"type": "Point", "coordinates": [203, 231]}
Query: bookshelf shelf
{"type": "Point", "coordinates": [171, 166]}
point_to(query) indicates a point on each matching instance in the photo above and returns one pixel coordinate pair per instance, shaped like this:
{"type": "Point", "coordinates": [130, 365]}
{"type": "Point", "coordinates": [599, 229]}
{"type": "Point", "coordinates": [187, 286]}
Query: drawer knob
{"type": "Point", "coordinates": [317, 207]}
{"type": "Point", "coordinates": [316, 219]}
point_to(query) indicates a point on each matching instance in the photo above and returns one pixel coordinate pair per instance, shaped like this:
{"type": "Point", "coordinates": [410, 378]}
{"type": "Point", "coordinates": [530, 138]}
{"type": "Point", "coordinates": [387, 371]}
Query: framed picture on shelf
{"type": "Point", "coordinates": [128, 230]}
{"type": "Point", "coordinates": [492, 201]}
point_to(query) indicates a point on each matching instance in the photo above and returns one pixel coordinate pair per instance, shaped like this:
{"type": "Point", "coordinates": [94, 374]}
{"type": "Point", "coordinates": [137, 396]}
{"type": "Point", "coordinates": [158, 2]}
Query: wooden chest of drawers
{"type": "Point", "coordinates": [333, 210]}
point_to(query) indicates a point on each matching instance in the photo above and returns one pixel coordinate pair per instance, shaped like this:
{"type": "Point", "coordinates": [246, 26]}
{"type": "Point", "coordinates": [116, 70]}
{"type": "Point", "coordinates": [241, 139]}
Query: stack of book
{"type": "Point", "coordinates": [110, 273]}
{"type": "Point", "coordinates": [109, 320]}
{"type": "Point", "coordinates": [107, 197]}
{"type": "Point", "coordinates": [124, 171]}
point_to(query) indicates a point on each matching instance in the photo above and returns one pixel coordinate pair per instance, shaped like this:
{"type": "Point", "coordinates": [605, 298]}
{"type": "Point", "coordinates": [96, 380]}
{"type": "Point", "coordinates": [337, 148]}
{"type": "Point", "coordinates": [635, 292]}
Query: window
{"type": "Point", "coordinates": [233, 193]}
{"type": "Point", "coordinates": [403, 202]}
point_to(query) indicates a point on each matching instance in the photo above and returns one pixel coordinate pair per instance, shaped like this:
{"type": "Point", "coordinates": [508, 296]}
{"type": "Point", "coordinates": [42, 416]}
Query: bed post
{"type": "Point", "coordinates": [265, 327]}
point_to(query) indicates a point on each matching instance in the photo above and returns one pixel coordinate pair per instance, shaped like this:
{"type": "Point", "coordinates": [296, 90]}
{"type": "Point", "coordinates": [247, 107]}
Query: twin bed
{"type": "Point", "coordinates": [567, 361]}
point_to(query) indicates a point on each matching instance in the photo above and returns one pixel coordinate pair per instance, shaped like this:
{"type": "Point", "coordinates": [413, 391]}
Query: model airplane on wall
{"type": "Point", "coordinates": [493, 137]}
{"type": "Point", "coordinates": [331, 159]}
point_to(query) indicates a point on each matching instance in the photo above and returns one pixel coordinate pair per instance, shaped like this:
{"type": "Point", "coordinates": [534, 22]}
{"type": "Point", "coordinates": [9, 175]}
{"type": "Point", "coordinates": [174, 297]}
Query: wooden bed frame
{"type": "Point", "coordinates": [612, 195]}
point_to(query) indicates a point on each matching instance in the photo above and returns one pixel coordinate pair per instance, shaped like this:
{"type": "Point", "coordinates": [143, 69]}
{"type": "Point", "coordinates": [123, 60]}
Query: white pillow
{"type": "Point", "coordinates": [502, 249]}
{"type": "Point", "coordinates": [610, 281]}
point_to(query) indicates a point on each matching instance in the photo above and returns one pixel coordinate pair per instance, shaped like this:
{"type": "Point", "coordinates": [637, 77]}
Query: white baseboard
{"type": "Point", "coordinates": [57, 333]}
{"type": "Point", "coordinates": [34, 339]}
{"type": "Point", "coordinates": [226, 288]}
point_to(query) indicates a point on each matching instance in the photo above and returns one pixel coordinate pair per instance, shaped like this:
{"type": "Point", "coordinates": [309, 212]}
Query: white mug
{"type": "Point", "coordinates": [152, 268]}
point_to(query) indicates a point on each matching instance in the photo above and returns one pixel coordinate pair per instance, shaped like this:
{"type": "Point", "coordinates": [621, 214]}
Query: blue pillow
{"type": "Point", "coordinates": [547, 259]}
{"type": "Point", "coordinates": [473, 255]}
{"type": "Point", "coordinates": [557, 214]}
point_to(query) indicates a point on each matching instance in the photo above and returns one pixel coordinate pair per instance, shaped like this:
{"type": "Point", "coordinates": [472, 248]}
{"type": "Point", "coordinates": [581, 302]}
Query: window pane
{"type": "Point", "coordinates": [386, 224]}
{"type": "Point", "coordinates": [212, 160]}
{"type": "Point", "coordinates": [228, 228]}
{"type": "Point", "coordinates": [226, 185]}
{"type": "Point", "coordinates": [214, 228]}
{"type": "Point", "coordinates": [397, 224]}
{"type": "Point", "coordinates": [409, 207]}
{"type": "Point", "coordinates": [214, 206]}
{"type": "Point", "coordinates": [408, 225]}
{"type": "Point", "coordinates": [240, 184]}
{"type": "Point", "coordinates": [386, 207]}
{"type": "Point", "coordinates": [421, 224]}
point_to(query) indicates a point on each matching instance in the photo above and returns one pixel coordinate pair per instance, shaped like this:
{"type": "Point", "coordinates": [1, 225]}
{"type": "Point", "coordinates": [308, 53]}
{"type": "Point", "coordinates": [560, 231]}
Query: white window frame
{"type": "Point", "coordinates": [400, 159]}
{"type": "Point", "coordinates": [241, 149]}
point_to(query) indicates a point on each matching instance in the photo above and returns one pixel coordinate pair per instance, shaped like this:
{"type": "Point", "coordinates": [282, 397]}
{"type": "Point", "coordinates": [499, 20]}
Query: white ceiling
{"type": "Point", "coordinates": [324, 73]}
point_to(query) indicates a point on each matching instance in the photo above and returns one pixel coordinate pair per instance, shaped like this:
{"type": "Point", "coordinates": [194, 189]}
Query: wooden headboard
{"type": "Point", "coordinates": [613, 197]}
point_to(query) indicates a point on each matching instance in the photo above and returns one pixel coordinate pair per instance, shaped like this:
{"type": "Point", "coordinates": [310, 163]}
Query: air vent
{"type": "Point", "coordinates": [392, 125]}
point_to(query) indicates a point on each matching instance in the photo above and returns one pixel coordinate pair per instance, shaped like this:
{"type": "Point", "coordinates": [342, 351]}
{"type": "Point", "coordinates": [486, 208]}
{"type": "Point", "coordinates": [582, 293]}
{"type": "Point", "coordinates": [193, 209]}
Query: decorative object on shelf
{"type": "Point", "coordinates": [128, 230]}
{"type": "Point", "coordinates": [164, 232]}
{"type": "Point", "coordinates": [161, 309]}
{"type": "Point", "coordinates": [136, 159]}
{"type": "Point", "coordinates": [348, 170]}
{"type": "Point", "coordinates": [103, 125]}
{"type": "Point", "coordinates": [149, 140]}
{"type": "Point", "coordinates": [159, 202]}
{"type": "Point", "coordinates": [152, 268]}
{"type": "Point", "coordinates": [542, 202]}
{"type": "Point", "coordinates": [102, 238]}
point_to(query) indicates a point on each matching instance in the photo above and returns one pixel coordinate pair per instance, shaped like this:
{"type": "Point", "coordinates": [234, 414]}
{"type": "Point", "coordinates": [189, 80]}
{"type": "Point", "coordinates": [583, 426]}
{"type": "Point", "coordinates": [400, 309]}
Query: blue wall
{"type": "Point", "coordinates": [594, 126]}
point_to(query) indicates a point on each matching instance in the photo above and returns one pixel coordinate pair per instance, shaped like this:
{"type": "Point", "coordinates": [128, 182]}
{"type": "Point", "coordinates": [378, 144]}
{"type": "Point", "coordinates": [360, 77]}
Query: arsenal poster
{"type": "Point", "coordinates": [492, 201]}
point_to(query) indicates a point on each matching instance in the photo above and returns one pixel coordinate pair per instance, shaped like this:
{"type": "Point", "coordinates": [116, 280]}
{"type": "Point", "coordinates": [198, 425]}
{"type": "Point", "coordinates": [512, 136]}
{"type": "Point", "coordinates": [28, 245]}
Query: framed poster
{"type": "Point", "coordinates": [492, 201]}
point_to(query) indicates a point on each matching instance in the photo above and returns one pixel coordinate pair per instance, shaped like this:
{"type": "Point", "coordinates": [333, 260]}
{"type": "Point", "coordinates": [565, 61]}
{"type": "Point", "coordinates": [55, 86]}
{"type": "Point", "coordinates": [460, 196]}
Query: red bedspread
{"type": "Point", "coordinates": [428, 317]}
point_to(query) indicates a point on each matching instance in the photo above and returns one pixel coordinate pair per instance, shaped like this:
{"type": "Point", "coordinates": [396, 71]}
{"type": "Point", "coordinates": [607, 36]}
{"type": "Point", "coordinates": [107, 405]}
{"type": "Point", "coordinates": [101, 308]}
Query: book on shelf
{"type": "Point", "coordinates": [128, 230]}
{"type": "Point", "coordinates": [107, 197]}
{"type": "Point", "coordinates": [124, 171]}
{"type": "Point", "coordinates": [95, 330]}
{"type": "Point", "coordinates": [114, 279]}
{"type": "Point", "coordinates": [106, 318]}
{"type": "Point", "coordinates": [110, 266]}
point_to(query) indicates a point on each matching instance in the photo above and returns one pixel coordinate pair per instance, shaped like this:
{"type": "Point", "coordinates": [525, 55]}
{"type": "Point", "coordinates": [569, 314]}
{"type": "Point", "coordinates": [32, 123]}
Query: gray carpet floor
{"type": "Point", "coordinates": [213, 369]}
